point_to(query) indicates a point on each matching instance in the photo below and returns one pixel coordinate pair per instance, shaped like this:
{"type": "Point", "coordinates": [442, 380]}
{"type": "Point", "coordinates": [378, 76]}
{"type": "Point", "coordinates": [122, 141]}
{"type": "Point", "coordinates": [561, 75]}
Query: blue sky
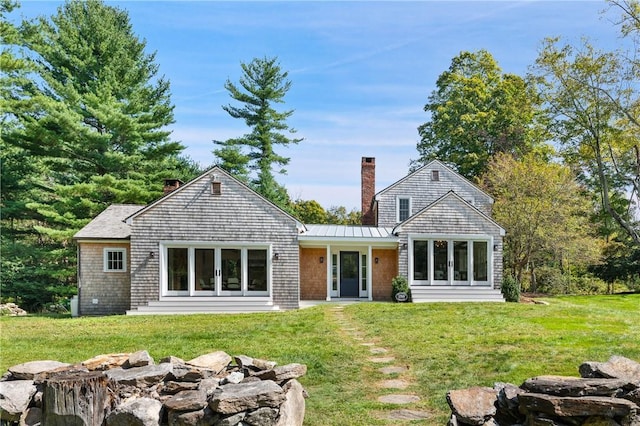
{"type": "Point", "coordinates": [361, 72]}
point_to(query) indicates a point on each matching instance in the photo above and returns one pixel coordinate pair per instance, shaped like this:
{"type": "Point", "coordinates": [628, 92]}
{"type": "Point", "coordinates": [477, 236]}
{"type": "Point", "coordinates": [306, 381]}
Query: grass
{"type": "Point", "coordinates": [446, 346]}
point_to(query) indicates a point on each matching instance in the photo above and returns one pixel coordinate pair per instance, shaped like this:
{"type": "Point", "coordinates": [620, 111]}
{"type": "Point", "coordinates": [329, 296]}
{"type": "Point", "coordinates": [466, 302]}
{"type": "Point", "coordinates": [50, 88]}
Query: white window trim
{"type": "Point", "coordinates": [244, 291]}
{"type": "Point", "coordinates": [451, 237]}
{"type": "Point", "coordinates": [398, 198]}
{"type": "Point", "coordinates": [105, 259]}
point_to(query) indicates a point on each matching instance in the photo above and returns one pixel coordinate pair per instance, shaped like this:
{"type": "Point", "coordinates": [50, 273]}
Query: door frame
{"type": "Point", "coordinates": [357, 255]}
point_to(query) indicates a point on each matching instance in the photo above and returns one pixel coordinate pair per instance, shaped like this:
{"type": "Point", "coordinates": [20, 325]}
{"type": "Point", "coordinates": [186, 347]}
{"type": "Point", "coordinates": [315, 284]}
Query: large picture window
{"type": "Point", "coordinates": [215, 271]}
{"type": "Point", "coordinates": [454, 261]}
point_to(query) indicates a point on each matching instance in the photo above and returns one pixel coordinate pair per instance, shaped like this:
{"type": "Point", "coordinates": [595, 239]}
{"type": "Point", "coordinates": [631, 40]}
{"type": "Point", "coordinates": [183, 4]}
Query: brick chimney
{"type": "Point", "coordinates": [171, 185]}
{"type": "Point", "coordinates": [368, 186]}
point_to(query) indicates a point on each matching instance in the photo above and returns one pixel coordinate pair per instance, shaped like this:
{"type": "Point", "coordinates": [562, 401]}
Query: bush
{"type": "Point", "coordinates": [400, 285]}
{"type": "Point", "coordinates": [510, 289]}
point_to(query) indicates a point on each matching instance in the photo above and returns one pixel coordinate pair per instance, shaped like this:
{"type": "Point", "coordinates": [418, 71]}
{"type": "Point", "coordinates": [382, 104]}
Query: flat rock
{"type": "Point", "coordinates": [15, 397]}
{"type": "Point", "coordinates": [106, 362]}
{"type": "Point", "coordinates": [233, 398]}
{"type": "Point", "coordinates": [216, 361]}
{"type": "Point", "coordinates": [570, 406]}
{"type": "Point", "coordinates": [617, 367]}
{"type": "Point", "coordinates": [261, 417]}
{"type": "Point", "coordinates": [257, 364]}
{"type": "Point", "coordinates": [378, 350]}
{"type": "Point", "coordinates": [293, 408]}
{"type": "Point", "coordinates": [206, 416]}
{"type": "Point", "coordinates": [399, 399]}
{"type": "Point", "coordinates": [190, 373]}
{"type": "Point", "coordinates": [290, 371]}
{"type": "Point", "coordinates": [139, 359]}
{"type": "Point", "coordinates": [140, 376]}
{"type": "Point", "coordinates": [136, 412]}
{"type": "Point", "coordinates": [574, 386]}
{"type": "Point", "coordinates": [189, 400]}
{"type": "Point", "coordinates": [171, 387]}
{"type": "Point", "coordinates": [473, 406]}
{"type": "Point", "coordinates": [394, 384]}
{"type": "Point", "coordinates": [393, 370]}
{"type": "Point", "coordinates": [29, 370]}
{"type": "Point", "coordinates": [408, 415]}
{"type": "Point", "coordinates": [382, 359]}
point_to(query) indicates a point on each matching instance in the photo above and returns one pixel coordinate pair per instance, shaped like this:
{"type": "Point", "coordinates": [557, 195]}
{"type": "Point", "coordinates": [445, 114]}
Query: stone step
{"type": "Point", "coordinates": [224, 305]}
{"type": "Point", "coordinates": [421, 294]}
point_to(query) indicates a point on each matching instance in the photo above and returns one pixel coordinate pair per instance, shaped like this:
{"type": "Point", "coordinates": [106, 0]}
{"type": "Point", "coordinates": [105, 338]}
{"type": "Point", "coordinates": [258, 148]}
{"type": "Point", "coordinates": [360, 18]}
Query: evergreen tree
{"type": "Point", "coordinates": [262, 85]}
{"type": "Point", "coordinates": [85, 125]}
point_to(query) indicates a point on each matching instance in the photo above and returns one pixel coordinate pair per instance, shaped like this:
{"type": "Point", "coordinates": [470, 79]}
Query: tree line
{"type": "Point", "coordinates": [85, 115]}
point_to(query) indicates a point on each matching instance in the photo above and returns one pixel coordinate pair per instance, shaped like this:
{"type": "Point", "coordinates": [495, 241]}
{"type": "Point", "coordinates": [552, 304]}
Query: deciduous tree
{"type": "Point", "coordinates": [594, 116]}
{"type": "Point", "coordinates": [544, 212]}
{"type": "Point", "coordinates": [476, 112]}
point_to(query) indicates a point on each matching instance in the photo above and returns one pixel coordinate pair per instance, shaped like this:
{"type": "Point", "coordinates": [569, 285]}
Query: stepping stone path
{"type": "Point", "coordinates": [395, 383]}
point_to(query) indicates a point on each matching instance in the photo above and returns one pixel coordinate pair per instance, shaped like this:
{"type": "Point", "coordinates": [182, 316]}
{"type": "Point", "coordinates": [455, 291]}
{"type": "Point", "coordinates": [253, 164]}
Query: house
{"type": "Point", "coordinates": [215, 245]}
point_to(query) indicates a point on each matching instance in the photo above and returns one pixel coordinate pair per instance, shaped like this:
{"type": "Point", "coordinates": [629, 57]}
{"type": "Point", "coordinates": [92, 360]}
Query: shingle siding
{"type": "Point", "coordinates": [192, 213]}
{"type": "Point", "coordinates": [423, 191]}
{"type": "Point", "coordinates": [452, 216]}
{"type": "Point", "coordinates": [109, 289]}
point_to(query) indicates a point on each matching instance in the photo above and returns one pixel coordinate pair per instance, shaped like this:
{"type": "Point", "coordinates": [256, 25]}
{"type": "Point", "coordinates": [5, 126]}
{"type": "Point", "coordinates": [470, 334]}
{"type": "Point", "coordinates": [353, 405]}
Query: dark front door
{"type": "Point", "coordinates": [349, 276]}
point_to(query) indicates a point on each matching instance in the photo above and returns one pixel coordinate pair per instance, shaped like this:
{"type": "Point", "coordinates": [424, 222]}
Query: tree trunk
{"type": "Point", "coordinates": [76, 399]}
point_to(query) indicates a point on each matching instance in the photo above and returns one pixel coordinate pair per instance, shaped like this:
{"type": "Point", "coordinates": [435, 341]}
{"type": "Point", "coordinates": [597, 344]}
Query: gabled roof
{"type": "Point", "coordinates": [209, 174]}
{"type": "Point", "coordinates": [459, 198]}
{"type": "Point", "coordinates": [430, 164]}
{"type": "Point", "coordinates": [109, 224]}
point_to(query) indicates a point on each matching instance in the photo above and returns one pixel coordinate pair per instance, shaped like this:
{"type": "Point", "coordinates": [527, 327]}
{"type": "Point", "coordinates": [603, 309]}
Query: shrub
{"type": "Point", "coordinates": [511, 288]}
{"type": "Point", "coordinates": [400, 284]}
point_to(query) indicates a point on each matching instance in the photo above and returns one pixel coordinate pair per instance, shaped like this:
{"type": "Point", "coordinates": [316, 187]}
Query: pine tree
{"type": "Point", "coordinates": [85, 126]}
{"type": "Point", "coordinates": [263, 84]}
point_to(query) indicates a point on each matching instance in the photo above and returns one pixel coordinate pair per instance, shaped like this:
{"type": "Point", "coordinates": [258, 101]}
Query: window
{"type": "Point", "coordinates": [441, 260]}
{"type": "Point", "coordinates": [200, 269]}
{"type": "Point", "coordinates": [205, 269]}
{"type": "Point", "coordinates": [115, 260]}
{"type": "Point", "coordinates": [216, 188]}
{"type": "Point", "coordinates": [257, 270]}
{"type": "Point", "coordinates": [334, 272]}
{"type": "Point", "coordinates": [420, 260]}
{"type": "Point", "coordinates": [480, 261]}
{"type": "Point", "coordinates": [404, 209]}
{"type": "Point", "coordinates": [455, 261]}
{"type": "Point", "coordinates": [435, 175]}
{"type": "Point", "coordinates": [178, 269]}
{"type": "Point", "coordinates": [364, 273]}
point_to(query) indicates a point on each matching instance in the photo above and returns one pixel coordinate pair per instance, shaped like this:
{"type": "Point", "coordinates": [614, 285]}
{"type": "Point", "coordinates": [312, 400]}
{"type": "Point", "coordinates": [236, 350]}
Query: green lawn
{"type": "Point", "coordinates": [446, 346]}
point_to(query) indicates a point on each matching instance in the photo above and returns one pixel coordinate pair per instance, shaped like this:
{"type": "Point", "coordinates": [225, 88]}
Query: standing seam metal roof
{"type": "Point", "coordinates": [348, 231]}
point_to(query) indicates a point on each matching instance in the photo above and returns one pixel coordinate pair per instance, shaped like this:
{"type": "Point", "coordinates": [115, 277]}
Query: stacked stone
{"type": "Point", "coordinates": [208, 390]}
{"type": "Point", "coordinates": [12, 310]}
{"type": "Point", "coordinates": [606, 394]}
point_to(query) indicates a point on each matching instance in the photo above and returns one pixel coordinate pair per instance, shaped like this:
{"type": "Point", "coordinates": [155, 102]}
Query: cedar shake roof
{"type": "Point", "coordinates": [109, 224]}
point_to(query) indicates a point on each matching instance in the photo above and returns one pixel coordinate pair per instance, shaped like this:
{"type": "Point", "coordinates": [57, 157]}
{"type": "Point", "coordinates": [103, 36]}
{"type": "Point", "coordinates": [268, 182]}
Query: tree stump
{"type": "Point", "coordinates": [76, 399]}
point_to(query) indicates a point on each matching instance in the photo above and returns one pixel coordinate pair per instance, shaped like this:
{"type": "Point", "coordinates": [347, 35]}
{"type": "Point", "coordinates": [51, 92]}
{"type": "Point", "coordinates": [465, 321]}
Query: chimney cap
{"type": "Point", "coordinates": [368, 159]}
{"type": "Point", "coordinates": [172, 182]}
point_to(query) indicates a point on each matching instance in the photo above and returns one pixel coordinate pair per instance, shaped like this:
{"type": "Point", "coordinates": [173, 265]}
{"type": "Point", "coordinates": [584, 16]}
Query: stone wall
{"type": "Point", "coordinates": [606, 394]}
{"type": "Point", "coordinates": [131, 389]}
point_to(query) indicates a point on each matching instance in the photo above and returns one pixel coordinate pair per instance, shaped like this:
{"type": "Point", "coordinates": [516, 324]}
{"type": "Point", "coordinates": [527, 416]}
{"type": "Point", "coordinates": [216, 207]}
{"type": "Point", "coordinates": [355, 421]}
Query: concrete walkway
{"type": "Point", "coordinates": [393, 376]}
